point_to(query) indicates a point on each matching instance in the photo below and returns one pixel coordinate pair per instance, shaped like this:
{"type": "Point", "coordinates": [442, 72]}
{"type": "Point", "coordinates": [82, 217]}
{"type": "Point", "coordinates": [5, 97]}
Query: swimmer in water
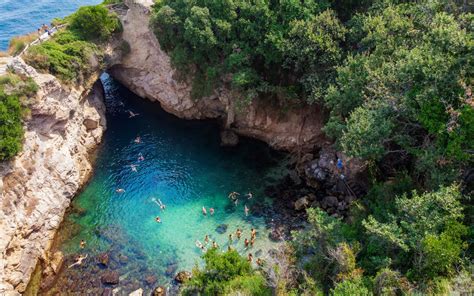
{"type": "Point", "coordinates": [204, 212]}
{"type": "Point", "coordinates": [253, 233]}
{"type": "Point", "coordinates": [215, 245]}
{"type": "Point", "coordinates": [131, 114]}
{"type": "Point", "coordinates": [249, 195]}
{"type": "Point", "coordinates": [233, 195]}
{"type": "Point", "coordinates": [140, 157]}
{"type": "Point", "coordinates": [120, 190]}
{"type": "Point", "coordinates": [206, 239]}
{"type": "Point", "coordinates": [252, 241]}
{"type": "Point", "coordinates": [230, 238]}
{"type": "Point", "coordinates": [78, 260]}
{"type": "Point", "coordinates": [82, 244]}
{"type": "Point", "coordinates": [134, 167]}
{"type": "Point", "coordinates": [246, 210]}
{"type": "Point", "coordinates": [236, 201]}
{"type": "Point", "coordinates": [199, 245]}
{"type": "Point", "coordinates": [162, 205]}
{"type": "Point", "coordinates": [211, 211]}
{"type": "Point", "coordinates": [250, 257]}
{"type": "Point", "coordinates": [238, 233]}
{"type": "Point", "coordinates": [158, 219]}
{"type": "Point", "coordinates": [246, 243]}
{"type": "Point", "coordinates": [138, 139]}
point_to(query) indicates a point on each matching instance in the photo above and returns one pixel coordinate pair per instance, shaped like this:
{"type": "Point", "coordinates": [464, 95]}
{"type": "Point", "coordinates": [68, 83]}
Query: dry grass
{"type": "Point", "coordinates": [4, 54]}
{"type": "Point", "coordinates": [18, 43]}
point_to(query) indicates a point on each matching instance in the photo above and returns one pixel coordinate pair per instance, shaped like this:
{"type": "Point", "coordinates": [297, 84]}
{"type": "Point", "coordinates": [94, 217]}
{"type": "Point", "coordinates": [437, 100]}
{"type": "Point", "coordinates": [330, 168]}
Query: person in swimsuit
{"type": "Point", "coordinates": [211, 211]}
{"type": "Point", "coordinates": [158, 219]}
{"type": "Point", "coordinates": [249, 195]}
{"type": "Point", "coordinates": [204, 212]}
{"type": "Point", "coordinates": [120, 190]}
{"type": "Point", "coordinates": [238, 233]}
{"type": "Point", "coordinates": [78, 260]}
{"type": "Point", "coordinates": [246, 210]}
{"type": "Point", "coordinates": [250, 257]}
{"type": "Point", "coordinates": [246, 243]}
{"type": "Point", "coordinates": [206, 239]}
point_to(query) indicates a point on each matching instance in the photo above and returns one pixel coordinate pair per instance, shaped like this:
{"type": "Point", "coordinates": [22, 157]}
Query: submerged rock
{"type": "Point", "coordinates": [150, 280]}
{"type": "Point", "coordinates": [229, 138]}
{"type": "Point", "coordinates": [159, 291]}
{"type": "Point", "coordinates": [222, 228]}
{"type": "Point", "coordinates": [107, 292]}
{"type": "Point", "coordinates": [302, 203]}
{"type": "Point", "coordinates": [138, 292]}
{"type": "Point", "coordinates": [110, 278]}
{"type": "Point", "coordinates": [171, 269]}
{"type": "Point", "coordinates": [182, 276]}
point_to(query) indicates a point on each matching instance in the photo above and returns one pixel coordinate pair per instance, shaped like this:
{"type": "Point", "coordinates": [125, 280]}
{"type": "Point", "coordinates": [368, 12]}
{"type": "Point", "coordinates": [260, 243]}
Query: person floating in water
{"type": "Point", "coordinates": [211, 211]}
{"type": "Point", "coordinates": [138, 140]}
{"type": "Point", "coordinates": [199, 245]}
{"type": "Point", "coordinates": [132, 114]}
{"type": "Point", "coordinates": [133, 167]}
{"type": "Point", "coordinates": [158, 219]}
{"type": "Point", "coordinates": [246, 243]}
{"type": "Point", "coordinates": [238, 233]}
{"type": "Point", "coordinates": [78, 260]}
{"type": "Point", "coordinates": [215, 245]}
{"type": "Point", "coordinates": [230, 238]}
{"type": "Point", "coordinates": [82, 244]}
{"type": "Point", "coordinates": [160, 204]}
{"type": "Point", "coordinates": [140, 157]}
{"type": "Point", "coordinates": [249, 195]}
{"type": "Point", "coordinates": [233, 195]}
{"type": "Point", "coordinates": [236, 201]}
{"type": "Point", "coordinates": [204, 212]}
{"type": "Point", "coordinates": [206, 239]}
{"type": "Point", "coordinates": [250, 257]}
{"type": "Point", "coordinates": [120, 190]}
{"type": "Point", "coordinates": [253, 233]}
{"type": "Point", "coordinates": [246, 210]}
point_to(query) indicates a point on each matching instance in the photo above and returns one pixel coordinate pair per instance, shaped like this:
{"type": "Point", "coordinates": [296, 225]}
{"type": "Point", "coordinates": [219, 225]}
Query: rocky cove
{"type": "Point", "coordinates": [67, 123]}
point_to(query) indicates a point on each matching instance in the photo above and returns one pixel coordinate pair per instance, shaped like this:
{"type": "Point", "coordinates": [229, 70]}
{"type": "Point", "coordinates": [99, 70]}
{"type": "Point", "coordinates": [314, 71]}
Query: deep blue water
{"type": "Point", "coordinates": [19, 17]}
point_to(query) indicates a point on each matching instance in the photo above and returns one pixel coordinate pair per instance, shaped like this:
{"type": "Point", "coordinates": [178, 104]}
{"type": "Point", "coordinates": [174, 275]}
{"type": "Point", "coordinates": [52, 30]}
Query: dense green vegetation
{"type": "Point", "coordinates": [75, 51]}
{"type": "Point", "coordinates": [14, 90]}
{"type": "Point", "coordinates": [226, 274]}
{"type": "Point", "coordinates": [396, 77]}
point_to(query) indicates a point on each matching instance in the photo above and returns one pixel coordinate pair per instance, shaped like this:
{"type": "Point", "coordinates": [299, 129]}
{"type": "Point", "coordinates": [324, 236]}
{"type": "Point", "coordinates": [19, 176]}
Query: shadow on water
{"type": "Point", "coordinates": [155, 157]}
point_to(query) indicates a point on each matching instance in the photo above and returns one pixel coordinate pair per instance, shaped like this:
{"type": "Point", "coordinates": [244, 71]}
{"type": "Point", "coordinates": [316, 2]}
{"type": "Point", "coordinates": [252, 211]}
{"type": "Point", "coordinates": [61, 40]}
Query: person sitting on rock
{"type": "Point", "coordinates": [78, 260]}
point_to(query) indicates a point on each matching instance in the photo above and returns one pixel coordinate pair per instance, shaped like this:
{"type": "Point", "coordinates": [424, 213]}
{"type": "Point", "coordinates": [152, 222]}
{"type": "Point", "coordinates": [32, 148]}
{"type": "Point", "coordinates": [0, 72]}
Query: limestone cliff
{"type": "Point", "coordinates": [36, 187]}
{"type": "Point", "coordinates": [146, 70]}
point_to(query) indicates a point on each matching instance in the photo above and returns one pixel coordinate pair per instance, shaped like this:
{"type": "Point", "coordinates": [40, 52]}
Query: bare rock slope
{"type": "Point", "coordinates": [36, 187]}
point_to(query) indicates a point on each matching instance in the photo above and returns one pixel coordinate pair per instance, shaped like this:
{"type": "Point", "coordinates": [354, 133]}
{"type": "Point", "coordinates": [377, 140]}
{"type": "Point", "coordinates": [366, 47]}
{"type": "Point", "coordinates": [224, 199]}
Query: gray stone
{"type": "Point", "coordinates": [229, 138]}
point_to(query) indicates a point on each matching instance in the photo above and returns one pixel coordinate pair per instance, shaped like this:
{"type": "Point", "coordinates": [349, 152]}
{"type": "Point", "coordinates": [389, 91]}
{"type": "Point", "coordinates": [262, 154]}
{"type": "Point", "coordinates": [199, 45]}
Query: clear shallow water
{"type": "Point", "coordinates": [19, 17]}
{"type": "Point", "coordinates": [186, 168]}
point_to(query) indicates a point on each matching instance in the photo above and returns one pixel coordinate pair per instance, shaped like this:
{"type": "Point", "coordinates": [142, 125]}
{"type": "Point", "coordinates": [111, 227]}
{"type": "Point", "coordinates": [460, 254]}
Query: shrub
{"type": "Point", "coordinates": [354, 287]}
{"type": "Point", "coordinates": [225, 273]}
{"type": "Point", "coordinates": [17, 44]}
{"type": "Point", "coordinates": [13, 90]}
{"type": "Point", "coordinates": [94, 23]}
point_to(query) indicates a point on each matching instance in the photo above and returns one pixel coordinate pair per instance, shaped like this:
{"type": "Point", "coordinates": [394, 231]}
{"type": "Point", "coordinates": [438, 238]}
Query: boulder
{"type": "Point", "coordinates": [90, 124]}
{"type": "Point", "coordinates": [302, 203]}
{"type": "Point", "coordinates": [107, 292]}
{"type": "Point", "coordinates": [138, 292]}
{"type": "Point", "coordinates": [329, 202]}
{"type": "Point", "coordinates": [229, 138]}
{"type": "Point", "coordinates": [275, 235]}
{"type": "Point", "coordinates": [182, 277]}
{"type": "Point", "coordinates": [159, 291]}
{"type": "Point", "coordinates": [110, 278]}
{"type": "Point", "coordinates": [222, 228]}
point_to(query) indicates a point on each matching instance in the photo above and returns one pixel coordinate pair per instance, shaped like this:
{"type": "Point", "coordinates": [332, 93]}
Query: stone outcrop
{"type": "Point", "coordinates": [146, 70]}
{"type": "Point", "coordinates": [36, 187]}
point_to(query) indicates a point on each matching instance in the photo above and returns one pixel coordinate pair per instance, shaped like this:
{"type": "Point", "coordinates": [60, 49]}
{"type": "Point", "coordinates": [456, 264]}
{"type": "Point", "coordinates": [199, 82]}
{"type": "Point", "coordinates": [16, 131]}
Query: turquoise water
{"type": "Point", "coordinates": [19, 17]}
{"type": "Point", "coordinates": [184, 166]}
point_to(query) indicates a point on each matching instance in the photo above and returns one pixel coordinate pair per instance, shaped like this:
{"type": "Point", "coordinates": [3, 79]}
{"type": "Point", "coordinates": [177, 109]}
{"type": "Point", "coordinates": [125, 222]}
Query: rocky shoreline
{"type": "Point", "coordinates": [36, 187]}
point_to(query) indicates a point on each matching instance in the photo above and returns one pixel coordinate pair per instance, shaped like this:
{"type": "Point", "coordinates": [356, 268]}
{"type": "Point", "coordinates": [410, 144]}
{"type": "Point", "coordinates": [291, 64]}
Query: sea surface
{"type": "Point", "coordinates": [179, 163]}
{"type": "Point", "coordinates": [19, 17]}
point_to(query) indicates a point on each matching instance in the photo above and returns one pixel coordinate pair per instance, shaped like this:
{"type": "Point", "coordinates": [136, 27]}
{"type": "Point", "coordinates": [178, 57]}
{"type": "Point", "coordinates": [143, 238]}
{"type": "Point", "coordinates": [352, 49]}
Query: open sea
{"type": "Point", "coordinates": [19, 17]}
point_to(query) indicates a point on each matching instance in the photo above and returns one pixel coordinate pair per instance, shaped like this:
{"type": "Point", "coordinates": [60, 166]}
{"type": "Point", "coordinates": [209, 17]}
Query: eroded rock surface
{"type": "Point", "coordinates": [36, 187]}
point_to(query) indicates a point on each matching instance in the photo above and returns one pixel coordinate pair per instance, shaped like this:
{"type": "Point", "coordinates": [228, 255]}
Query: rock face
{"type": "Point", "coordinates": [36, 187]}
{"type": "Point", "coordinates": [147, 71]}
